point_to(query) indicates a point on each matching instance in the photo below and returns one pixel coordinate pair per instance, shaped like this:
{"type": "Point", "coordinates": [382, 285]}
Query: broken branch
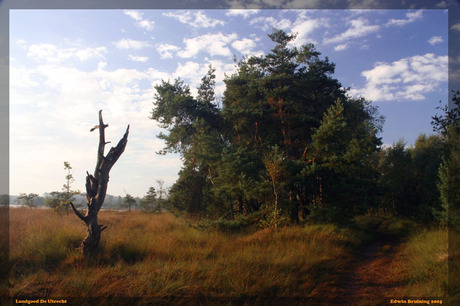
{"type": "Point", "coordinates": [79, 214]}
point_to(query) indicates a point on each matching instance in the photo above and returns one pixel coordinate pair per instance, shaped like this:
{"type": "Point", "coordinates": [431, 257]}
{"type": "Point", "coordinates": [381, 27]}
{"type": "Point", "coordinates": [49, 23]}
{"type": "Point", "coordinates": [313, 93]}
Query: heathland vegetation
{"type": "Point", "coordinates": [165, 258]}
{"type": "Point", "coordinates": [286, 191]}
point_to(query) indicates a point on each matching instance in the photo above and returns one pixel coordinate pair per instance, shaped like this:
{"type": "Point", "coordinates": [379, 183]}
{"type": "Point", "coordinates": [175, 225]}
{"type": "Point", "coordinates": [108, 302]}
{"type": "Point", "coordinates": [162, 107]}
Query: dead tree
{"type": "Point", "coordinates": [96, 188]}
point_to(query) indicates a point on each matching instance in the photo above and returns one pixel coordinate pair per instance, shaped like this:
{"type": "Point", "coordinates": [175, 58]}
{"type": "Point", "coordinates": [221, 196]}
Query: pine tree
{"type": "Point", "coordinates": [278, 100]}
{"type": "Point", "coordinates": [149, 201]}
{"type": "Point", "coordinates": [129, 201]}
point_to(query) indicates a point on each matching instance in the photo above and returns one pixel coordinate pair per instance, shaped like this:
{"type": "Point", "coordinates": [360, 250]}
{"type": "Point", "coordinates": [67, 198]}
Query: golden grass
{"type": "Point", "coordinates": [426, 254]}
{"type": "Point", "coordinates": [161, 256]}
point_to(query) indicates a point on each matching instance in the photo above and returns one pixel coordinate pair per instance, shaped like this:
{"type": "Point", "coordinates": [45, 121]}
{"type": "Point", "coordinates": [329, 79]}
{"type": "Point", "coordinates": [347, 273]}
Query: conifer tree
{"type": "Point", "coordinates": [149, 201]}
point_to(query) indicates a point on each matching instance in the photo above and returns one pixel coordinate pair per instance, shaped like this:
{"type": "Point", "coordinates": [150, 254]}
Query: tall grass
{"type": "Point", "coordinates": [161, 256]}
{"type": "Point", "coordinates": [427, 263]}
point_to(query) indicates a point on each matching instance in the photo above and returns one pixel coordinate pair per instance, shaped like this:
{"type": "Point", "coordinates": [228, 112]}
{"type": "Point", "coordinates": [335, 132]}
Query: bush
{"type": "Point", "coordinates": [240, 223]}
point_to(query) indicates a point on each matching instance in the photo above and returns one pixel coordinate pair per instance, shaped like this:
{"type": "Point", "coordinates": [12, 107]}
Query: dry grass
{"type": "Point", "coordinates": [161, 256]}
{"type": "Point", "coordinates": [426, 254]}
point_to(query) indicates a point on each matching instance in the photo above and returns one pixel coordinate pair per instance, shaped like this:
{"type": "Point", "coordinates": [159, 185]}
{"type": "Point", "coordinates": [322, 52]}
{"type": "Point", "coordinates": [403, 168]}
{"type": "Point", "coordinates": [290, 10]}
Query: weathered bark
{"type": "Point", "coordinates": [96, 188]}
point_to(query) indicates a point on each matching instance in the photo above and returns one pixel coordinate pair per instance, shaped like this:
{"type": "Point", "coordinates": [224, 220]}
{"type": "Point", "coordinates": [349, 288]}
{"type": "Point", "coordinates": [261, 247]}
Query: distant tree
{"type": "Point", "coordinates": [162, 195]}
{"type": "Point", "coordinates": [119, 202]}
{"type": "Point", "coordinates": [162, 192]}
{"type": "Point", "coordinates": [398, 181]}
{"type": "Point", "coordinates": [409, 178]}
{"type": "Point", "coordinates": [4, 200]}
{"type": "Point", "coordinates": [129, 201]}
{"type": "Point", "coordinates": [149, 201]}
{"type": "Point", "coordinates": [56, 200]}
{"type": "Point", "coordinates": [426, 155]}
{"type": "Point", "coordinates": [63, 198]}
{"type": "Point", "coordinates": [27, 199]}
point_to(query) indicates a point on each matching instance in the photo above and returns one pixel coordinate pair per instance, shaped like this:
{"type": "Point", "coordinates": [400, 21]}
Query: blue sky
{"type": "Point", "coordinates": [65, 65]}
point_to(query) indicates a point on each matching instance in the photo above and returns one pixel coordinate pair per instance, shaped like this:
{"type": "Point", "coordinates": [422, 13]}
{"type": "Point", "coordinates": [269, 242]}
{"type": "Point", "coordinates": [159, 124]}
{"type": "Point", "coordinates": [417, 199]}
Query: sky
{"type": "Point", "coordinates": [66, 65]}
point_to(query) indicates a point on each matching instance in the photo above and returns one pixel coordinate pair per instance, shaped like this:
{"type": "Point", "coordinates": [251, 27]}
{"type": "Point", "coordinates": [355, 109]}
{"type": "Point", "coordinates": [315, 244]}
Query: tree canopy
{"type": "Point", "coordinates": [287, 141]}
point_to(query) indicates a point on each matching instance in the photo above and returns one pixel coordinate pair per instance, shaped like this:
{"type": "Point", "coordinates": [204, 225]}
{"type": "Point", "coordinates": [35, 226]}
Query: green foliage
{"type": "Point", "coordinates": [427, 157]}
{"type": "Point", "coordinates": [448, 125]}
{"type": "Point", "coordinates": [56, 200]}
{"type": "Point", "coordinates": [273, 162]}
{"type": "Point", "coordinates": [59, 200]}
{"type": "Point", "coordinates": [289, 142]}
{"type": "Point", "coordinates": [4, 200]}
{"type": "Point", "coordinates": [273, 103]}
{"type": "Point", "coordinates": [409, 178]}
{"type": "Point", "coordinates": [239, 224]}
{"type": "Point", "coordinates": [149, 202]}
{"type": "Point", "coordinates": [449, 174]}
{"type": "Point", "coordinates": [450, 117]}
{"type": "Point", "coordinates": [343, 150]}
{"type": "Point", "coordinates": [27, 199]}
{"type": "Point", "coordinates": [129, 201]}
{"type": "Point", "coordinates": [397, 180]}
{"type": "Point", "coordinates": [194, 131]}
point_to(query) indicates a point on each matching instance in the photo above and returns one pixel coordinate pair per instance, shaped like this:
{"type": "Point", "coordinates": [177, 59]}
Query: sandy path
{"type": "Point", "coordinates": [372, 277]}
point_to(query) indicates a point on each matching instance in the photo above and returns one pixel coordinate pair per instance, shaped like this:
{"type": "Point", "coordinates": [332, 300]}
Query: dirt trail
{"type": "Point", "coordinates": [372, 277]}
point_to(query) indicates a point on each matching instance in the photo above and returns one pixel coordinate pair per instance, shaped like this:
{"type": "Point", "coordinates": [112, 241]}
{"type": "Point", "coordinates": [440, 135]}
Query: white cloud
{"type": "Point", "coordinates": [455, 27]}
{"type": "Point", "coordinates": [140, 20]}
{"type": "Point", "coordinates": [127, 43]}
{"type": "Point", "coordinates": [304, 26]}
{"type": "Point", "coordinates": [411, 17]}
{"type": "Point", "coordinates": [245, 45]}
{"type": "Point", "coordinates": [406, 79]}
{"type": "Point", "coordinates": [166, 50]}
{"type": "Point", "coordinates": [245, 13]}
{"type": "Point", "coordinates": [50, 53]}
{"type": "Point", "coordinates": [270, 22]}
{"type": "Point", "coordinates": [51, 95]}
{"type": "Point", "coordinates": [22, 78]}
{"type": "Point", "coordinates": [192, 73]}
{"type": "Point", "coordinates": [341, 47]}
{"type": "Point", "coordinates": [435, 40]}
{"type": "Point", "coordinates": [358, 28]}
{"type": "Point", "coordinates": [87, 53]}
{"type": "Point", "coordinates": [136, 15]}
{"type": "Point", "coordinates": [196, 19]}
{"type": "Point", "coordinates": [214, 44]}
{"type": "Point", "coordinates": [138, 58]}
{"type": "Point", "coordinates": [21, 43]}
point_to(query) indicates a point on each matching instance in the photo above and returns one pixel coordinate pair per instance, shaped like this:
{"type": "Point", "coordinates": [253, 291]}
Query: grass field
{"type": "Point", "coordinates": [161, 256]}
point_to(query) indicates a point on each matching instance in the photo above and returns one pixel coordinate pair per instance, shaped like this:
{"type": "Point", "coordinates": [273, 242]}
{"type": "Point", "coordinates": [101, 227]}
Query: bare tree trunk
{"type": "Point", "coordinates": [96, 188]}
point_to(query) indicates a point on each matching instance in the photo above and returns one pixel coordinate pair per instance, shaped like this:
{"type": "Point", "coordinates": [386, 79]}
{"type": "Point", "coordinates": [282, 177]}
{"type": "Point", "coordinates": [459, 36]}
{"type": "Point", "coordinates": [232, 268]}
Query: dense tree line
{"type": "Point", "coordinates": [448, 125]}
{"type": "Point", "coordinates": [289, 142]}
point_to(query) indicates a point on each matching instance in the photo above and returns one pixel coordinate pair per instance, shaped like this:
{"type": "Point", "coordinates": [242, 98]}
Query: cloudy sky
{"type": "Point", "coordinates": [66, 65]}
